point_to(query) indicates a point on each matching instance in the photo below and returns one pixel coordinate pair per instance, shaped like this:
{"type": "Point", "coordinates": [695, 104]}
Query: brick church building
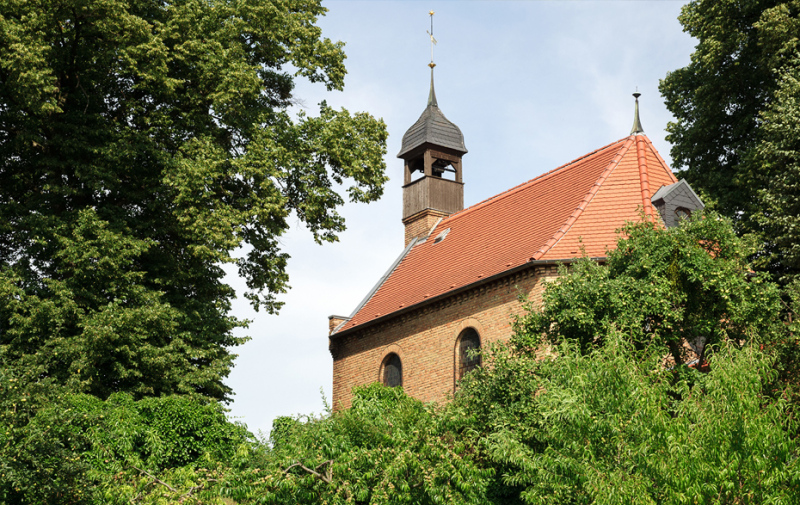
{"type": "Point", "coordinates": [458, 282]}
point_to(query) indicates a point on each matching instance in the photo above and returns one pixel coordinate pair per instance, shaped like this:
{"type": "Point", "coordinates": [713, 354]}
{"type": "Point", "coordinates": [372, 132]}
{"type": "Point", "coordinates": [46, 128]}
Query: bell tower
{"type": "Point", "coordinates": [432, 147]}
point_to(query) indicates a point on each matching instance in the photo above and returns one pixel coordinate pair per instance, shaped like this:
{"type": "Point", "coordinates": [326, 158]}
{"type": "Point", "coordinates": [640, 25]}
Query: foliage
{"type": "Point", "coordinates": [687, 289]}
{"type": "Point", "coordinates": [76, 448]}
{"type": "Point", "coordinates": [142, 144]}
{"type": "Point", "coordinates": [735, 136]}
{"type": "Point", "coordinates": [779, 156]}
{"type": "Point", "coordinates": [387, 448]}
{"type": "Point", "coordinates": [717, 97]}
{"type": "Point", "coordinates": [614, 426]}
{"type": "Point", "coordinates": [96, 327]}
{"type": "Point", "coordinates": [60, 447]}
{"type": "Point", "coordinates": [39, 445]}
{"type": "Point", "coordinates": [787, 347]}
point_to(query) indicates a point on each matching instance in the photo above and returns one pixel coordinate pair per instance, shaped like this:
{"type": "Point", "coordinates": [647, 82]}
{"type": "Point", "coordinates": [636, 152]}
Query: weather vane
{"type": "Point", "coordinates": [433, 41]}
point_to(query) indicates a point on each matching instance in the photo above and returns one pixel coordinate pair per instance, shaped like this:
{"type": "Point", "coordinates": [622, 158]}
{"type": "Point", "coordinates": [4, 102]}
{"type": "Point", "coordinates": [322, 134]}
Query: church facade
{"type": "Point", "coordinates": [459, 281]}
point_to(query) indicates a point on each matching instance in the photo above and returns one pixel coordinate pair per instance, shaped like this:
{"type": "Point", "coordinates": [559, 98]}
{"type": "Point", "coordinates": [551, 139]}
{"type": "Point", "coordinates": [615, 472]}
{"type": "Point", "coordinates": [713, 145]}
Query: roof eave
{"type": "Point", "coordinates": [413, 150]}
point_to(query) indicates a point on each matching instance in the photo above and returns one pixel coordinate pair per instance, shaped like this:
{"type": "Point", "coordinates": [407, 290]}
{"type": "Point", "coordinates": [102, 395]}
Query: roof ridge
{"type": "Point", "coordinates": [588, 197]}
{"type": "Point", "coordinates": [535, 180]}
{"type": "Point", "coordinates": [644, 179]}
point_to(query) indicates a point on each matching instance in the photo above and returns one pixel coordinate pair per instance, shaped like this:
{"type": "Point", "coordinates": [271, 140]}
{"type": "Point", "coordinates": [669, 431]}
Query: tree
{"type": "Point", "coordinates": [779, 154]}
{"type": "Point", "coordinates": [142, 145]}
{"type": "Point", "coordinates": [725, 101]}
{"type": "Point", "coordinates": [387, 448]}
{"type": "Point", "coordinates": [67, 448]}
{"type": "Point", "coordinates": [687, 289]}
{"type": "Point", "coordinates": [614, 426]}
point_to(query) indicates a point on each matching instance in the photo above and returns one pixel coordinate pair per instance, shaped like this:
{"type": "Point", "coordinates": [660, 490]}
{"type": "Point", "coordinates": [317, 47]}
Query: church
{"type": "Point", "coordinates": [459, 281]}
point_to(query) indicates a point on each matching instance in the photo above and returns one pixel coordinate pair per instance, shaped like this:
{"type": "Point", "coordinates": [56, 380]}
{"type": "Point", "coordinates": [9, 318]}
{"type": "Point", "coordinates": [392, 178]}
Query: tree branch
{"type": "Point", "coordinates": [193, 489]}
{"type": "Point", "coordinates": [156, 479]}
{"type": "Point", "coordinates": [325, 478]}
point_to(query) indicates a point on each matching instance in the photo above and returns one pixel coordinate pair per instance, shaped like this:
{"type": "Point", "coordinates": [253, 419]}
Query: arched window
{"type": "Point", "coordinates": [392, 371]}
{"type": "Point", "coordinates": [468, 359]}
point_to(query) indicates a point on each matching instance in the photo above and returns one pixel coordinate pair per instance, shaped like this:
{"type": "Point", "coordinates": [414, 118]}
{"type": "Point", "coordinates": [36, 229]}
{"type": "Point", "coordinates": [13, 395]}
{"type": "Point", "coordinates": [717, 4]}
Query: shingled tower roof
{"type": "Point", "coordinates": [432, 128]}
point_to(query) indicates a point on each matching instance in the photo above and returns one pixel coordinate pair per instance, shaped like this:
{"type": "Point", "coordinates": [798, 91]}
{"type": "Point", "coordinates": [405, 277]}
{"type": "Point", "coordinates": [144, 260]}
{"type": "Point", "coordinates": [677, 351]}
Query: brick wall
{"type": "Point", "coordinates": [420, 224]}
{"type": "Point", "coordinates": [334, 322]}
{"type": "Point", "coordinates": [426, 339]}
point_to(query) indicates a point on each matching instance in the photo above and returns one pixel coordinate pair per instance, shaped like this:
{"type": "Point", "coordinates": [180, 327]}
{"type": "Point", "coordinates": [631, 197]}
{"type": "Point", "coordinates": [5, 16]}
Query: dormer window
{"type": "Point", "coordinates": [675, 202]}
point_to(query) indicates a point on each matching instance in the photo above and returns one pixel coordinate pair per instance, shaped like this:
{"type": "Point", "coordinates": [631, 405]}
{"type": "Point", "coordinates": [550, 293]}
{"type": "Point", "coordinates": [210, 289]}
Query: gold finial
{"type": "Point", "coordinates": [433, 40]}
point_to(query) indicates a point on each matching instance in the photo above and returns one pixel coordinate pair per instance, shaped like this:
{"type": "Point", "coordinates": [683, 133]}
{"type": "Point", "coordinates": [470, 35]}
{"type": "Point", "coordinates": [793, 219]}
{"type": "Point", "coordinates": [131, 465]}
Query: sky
{"type": "Point", "coordinates": [532, 85]}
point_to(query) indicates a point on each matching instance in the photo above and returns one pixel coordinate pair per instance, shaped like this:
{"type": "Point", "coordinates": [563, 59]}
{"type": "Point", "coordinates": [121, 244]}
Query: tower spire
{"type": "Point", "coordinates": [637, 124]}
{"type": "Point", "coordinates": [432, 94]}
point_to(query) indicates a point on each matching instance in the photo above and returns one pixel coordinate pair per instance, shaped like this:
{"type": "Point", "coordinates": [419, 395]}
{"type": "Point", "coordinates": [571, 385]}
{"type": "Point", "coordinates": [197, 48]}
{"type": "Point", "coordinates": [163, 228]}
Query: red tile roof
{"type": "Point", "coordinates": [578, 205]}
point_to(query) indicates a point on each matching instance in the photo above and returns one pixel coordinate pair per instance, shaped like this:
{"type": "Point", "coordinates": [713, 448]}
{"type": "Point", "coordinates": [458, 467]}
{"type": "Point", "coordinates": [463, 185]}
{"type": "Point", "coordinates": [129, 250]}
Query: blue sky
{"type": "Point", "coordinates": [531, 84]}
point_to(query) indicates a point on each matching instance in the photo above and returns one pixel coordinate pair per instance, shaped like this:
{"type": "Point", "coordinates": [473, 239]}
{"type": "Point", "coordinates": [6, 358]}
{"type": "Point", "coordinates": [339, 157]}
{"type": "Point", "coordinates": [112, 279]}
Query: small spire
{"type": "Point", "coordinates": [432, 94]}
{"type": "Point", "coordinates": [637, 124]}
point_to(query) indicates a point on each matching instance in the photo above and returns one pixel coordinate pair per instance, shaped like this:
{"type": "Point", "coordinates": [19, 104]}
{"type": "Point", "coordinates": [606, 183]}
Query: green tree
{"type": "Point", "coordinates": [614, 426]}
{"type": "Point", "coordinates": [143, 145]}
{"type": "Point", "coordinates": [733, 105]}
{"type": "Point", "coordinates": [63, 448]}
{"type": "Point", "coordinates": [779, 155]}
{"type": "Point", "coordinates": [688, 289]}
{"type": "Point", "coordinates": [387, 448]}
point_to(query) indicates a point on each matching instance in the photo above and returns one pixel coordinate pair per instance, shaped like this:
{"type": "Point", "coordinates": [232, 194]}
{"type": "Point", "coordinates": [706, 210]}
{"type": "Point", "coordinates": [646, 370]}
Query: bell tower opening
{"type": "Point", "coordinates": [444, 167]}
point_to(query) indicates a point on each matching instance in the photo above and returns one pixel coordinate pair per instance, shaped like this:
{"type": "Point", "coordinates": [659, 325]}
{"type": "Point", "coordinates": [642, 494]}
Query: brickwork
{"type": "Point", "coordinates": [426, 339]}
{"type": "Point", "coordinates": [334, 322]}
{"type": "Point", "coordinates": [420, 224]}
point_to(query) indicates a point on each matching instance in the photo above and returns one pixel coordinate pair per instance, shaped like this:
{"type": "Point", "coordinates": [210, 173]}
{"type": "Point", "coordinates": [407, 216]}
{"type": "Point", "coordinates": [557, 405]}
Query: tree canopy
{"type": "Point", "coordinates": [143, 145]}
{"type": "Point", "coordinates": [735, 137]}
{"type": "Point", "coordinates": [614, 426]}
{"type": "Point", "coordinates": [687, 289]}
